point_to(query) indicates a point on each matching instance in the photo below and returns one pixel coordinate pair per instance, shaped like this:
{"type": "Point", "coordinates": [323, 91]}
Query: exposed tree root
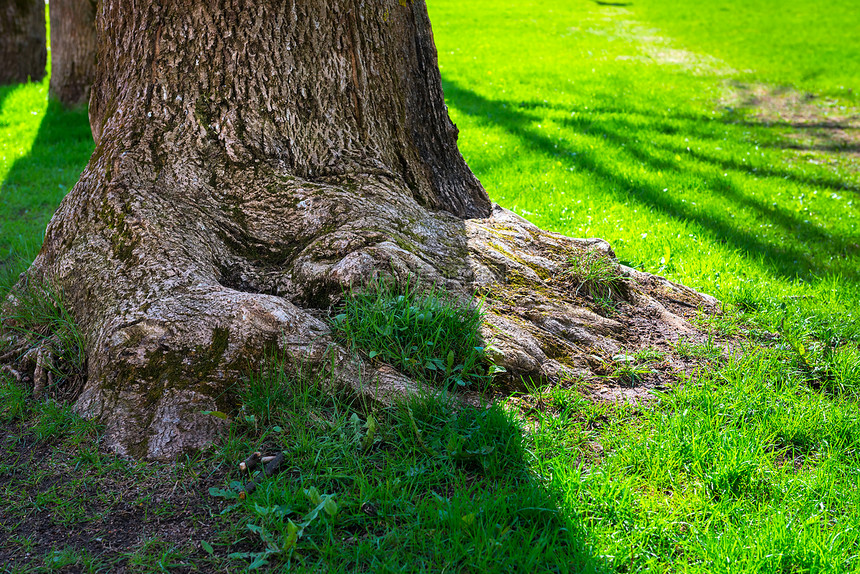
{"type": "Point", "coordinates": [180, 314]}
{"type": "Point", "coordinates": [39, 375]}
{"type": "Point", "coordinates": [228, 207]}
{"type": "Point", "coordinates": [11, 372]}
{"type": "Point", "coordinates": [41, 363]}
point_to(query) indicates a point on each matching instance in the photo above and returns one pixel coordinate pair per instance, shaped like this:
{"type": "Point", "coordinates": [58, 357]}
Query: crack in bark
{"type": "Point", "coordinates": [355, 55]}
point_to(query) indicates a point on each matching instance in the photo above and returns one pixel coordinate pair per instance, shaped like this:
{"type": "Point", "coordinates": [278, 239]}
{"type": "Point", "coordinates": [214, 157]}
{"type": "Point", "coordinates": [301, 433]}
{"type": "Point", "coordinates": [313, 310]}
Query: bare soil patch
{"type": "Point", "coordinates": [124, 516]}
{"type": "Point", "coordinates": [826, 130]}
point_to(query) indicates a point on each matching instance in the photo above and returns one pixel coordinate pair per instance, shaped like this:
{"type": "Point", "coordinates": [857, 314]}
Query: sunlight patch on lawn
{"type": "Point", "coordinates": [22, 108]}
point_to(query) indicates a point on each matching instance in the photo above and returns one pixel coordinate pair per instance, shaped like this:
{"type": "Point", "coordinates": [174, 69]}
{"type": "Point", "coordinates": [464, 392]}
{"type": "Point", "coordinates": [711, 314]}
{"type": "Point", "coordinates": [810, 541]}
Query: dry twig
{"type": "Point", "coordinates": [268, 471]}
{"type": "Point", "coordinates": [250, 463]}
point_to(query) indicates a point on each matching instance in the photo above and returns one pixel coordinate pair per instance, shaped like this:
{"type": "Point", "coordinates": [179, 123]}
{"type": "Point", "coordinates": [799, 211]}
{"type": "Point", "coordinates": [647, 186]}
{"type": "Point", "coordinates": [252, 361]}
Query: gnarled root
{"type": "Point", "coordinates": [11, 372]}
{"type": "Point", "coordinates": [181, 300]}
{"type": "Point", "coordinates": [39, 374]}
{"type": "Point", "coordinates": [37, 363]}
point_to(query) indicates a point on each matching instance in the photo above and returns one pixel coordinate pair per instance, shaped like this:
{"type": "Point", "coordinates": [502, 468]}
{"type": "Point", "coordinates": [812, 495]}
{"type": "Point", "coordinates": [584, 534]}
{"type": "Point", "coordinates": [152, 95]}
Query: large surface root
{"type": "Point", "coordinates": [181, 286]}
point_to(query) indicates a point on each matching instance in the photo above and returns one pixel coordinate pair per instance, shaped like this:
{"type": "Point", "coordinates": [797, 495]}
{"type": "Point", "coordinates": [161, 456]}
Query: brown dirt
{"type": "Point", "coordinates": [126, 511]}
{"type": "Point", "coordinates": [826, 130]}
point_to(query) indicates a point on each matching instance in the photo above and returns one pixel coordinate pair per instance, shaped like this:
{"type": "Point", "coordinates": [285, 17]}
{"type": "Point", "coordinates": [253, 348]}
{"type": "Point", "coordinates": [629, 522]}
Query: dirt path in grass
{"type": "Point", "coordinates": [824, 130]}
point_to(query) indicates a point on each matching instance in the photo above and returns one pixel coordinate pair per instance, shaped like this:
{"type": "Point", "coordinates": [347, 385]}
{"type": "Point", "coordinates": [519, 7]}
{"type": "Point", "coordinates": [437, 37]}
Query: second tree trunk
{"type": "Point", "coordinates": [23, 53]}
{"type": "Point", "coordinates": [73, 50]}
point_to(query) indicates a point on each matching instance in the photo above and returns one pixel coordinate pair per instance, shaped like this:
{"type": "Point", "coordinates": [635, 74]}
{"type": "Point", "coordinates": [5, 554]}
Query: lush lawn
{"type": "Point", "coordinates": [809, 45]}
{"type": "Point", "coordinates": [613, 122]}
{"type": "Point", "coordinates": [42, 151]}
{"type": "Point", "coordinates": [630, 123]}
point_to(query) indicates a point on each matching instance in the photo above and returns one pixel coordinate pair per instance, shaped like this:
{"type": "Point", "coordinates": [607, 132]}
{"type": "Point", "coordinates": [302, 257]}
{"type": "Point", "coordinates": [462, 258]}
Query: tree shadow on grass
{"type": "Point", "coordinates": [705, 129]}
{"type": "Point", "coordinates": [805, 121]}
{"type": "Point", "coordinates": [502, 501]}
{"type": "Point", "coordinates": [432, 485]}
{"type": "Point", "coordinates": [38, 181]}
{"type": "Point", "coordinates": [802, 248]}
{"type": "Point", "coordinates": [5, 90]}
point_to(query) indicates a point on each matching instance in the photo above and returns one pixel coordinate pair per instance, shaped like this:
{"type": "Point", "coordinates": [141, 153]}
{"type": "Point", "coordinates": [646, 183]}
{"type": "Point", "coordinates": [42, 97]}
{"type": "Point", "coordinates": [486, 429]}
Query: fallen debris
{"type": "Point", "coordinates": [268, 470]}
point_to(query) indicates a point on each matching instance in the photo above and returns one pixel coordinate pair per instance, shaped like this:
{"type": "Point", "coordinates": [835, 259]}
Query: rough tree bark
{"type": "Point", "coordinates": [73, 50]}
{"type": "Point", "coordinates": [253, 159]}
{"type": "Point", "coordinates": [23, 53]}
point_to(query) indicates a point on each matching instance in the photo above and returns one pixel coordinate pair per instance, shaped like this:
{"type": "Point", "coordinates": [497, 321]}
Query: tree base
{"type": "Point", "coordinates": [180, 288]}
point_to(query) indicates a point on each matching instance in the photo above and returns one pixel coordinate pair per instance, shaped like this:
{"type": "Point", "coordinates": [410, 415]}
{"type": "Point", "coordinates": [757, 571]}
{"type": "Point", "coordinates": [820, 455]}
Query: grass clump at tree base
{"type": "Point", "coordinates": [37, 328]}
{"type": "Point", "coordinates": [429, 335]}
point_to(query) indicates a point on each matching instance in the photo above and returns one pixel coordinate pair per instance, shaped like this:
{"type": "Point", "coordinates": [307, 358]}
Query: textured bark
{"type": "Point", "coordinates": [73, 50]}
{"type": "Point", "coordinates": [254, 159]}
{"type": "Point", "coordinates": [23, 53]}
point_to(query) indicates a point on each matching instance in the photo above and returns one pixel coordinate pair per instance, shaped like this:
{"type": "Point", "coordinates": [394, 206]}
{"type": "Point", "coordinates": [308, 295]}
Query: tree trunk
{"type": "Point", "coordinates": [73, 50]}
{"type": "Point", "coordinates": [253, 159]}
{"type": "Point", "coordinates": [23, 53]}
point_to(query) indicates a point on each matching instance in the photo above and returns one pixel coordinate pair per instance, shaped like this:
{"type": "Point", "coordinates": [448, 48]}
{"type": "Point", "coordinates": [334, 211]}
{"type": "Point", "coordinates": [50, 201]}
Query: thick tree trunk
{"type": "Point", "coordinates": [23, 53]}
{"type": "Point", "coordinates": [73, 50]}
{"type": "Point", "coordinates": [253, 159]}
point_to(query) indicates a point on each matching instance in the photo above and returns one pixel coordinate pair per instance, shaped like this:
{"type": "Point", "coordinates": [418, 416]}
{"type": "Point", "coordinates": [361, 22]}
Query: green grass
{"type": "Point", "coordinates": [611, 122]}
{"type": "Point", "coordinates": [575, 128]}
{"type": "Point", "coordinates": [43, 149]}
{"type": "Point", "coordinates": [806, 45]}
{"type": "Point", "coordinates": [427, 335]}
{"type": "Point", "coordinates": [36, 314]}
{"type": "Point", "coordinates": [421, 487]}
{"type": "Point", "coordinates": [590, 120]}
{"type": "Point", "coordinates": [595, 275]}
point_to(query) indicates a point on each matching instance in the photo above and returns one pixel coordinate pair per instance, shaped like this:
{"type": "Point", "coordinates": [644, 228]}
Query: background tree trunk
{"type": "Point", "coordinates": [23, 53]}
{"type": "Point", "coordinates": [73, 50]}
{"type": "Point", "coordinates": [253, 159]}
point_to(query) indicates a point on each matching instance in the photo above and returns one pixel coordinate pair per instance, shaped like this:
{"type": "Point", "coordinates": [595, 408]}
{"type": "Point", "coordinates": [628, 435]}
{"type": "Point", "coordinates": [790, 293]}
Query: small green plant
{"type": "Point", "coordinates": [708, 350]}
{"type": "Point", "coordinates": [596, 276]}
{"type": "Point", "coordinates": [649, 355]}
{"type": "Point", "coordinates": [825, 364]}
{"type": "Point", "coordinates": [606, 305]}
{"type": "Point", "coordinates": [429, 335]}
{"type": "Point", "coordinates": [277, 530]}
{"type": "Point", "coordinates": [629, 369]}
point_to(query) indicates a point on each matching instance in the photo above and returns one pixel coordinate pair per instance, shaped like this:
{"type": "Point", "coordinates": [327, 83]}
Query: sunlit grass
{"type": "Point", "coordinates": [43, 149]}
{"type": "Point", "coordinates": [574, 127]}
{"type": "Point", "coordinates": [808, 45]}
{"type": "Point", "coordinates": [612, 122]}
